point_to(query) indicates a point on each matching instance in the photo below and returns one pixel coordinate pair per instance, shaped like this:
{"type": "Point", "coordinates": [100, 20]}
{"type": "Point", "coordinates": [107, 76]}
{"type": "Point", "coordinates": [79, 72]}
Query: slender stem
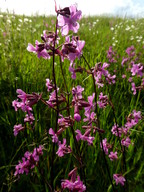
{"type": "Point", "coordinates": [72, 129]}
{"type": "Point", "coordinates": [43, 101]}
{"type": "Point", "coordinates": [57, 113]}
{"type": "Point", "coordinates": [63, 75]}
{"type": "Point", "coordinates": [96, 110]}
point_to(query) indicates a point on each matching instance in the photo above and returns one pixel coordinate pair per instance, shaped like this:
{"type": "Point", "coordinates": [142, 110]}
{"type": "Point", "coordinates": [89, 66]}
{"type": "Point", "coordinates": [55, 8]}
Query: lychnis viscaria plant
{"type": "Point", "coordinates": [73, 111]}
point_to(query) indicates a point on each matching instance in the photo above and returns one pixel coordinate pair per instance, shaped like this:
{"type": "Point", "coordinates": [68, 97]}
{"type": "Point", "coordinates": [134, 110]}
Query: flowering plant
{"type": "Point", "coordinates": [72, 109]}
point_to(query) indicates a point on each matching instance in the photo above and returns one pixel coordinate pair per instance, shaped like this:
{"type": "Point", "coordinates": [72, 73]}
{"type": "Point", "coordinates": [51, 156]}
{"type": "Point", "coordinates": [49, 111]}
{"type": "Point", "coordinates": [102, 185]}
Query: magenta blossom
{"type": "Point", "coordinates": [17, 129]}
{"type": "Point", "coordinates": [136, 115]}
{"type": "Point", "coordinates": [49, 85]}
{"type": "Point", "coordinates": [72, 70]}
{"type": "Point", "coordinates": [90, 118]}
{"type": "Point", "coordinates": [119, 179]}
{"type": "Point", "coordinates": [72, 49]}
{"type": "Point", "coordinates": [105, 146]}
{"type": "Point", "coordinates": [29, 161]}
{"type": "Point", "coordinates": [103, 100]}
{"type": "Point", "coordinates": [133, 88]}
{"type": "Point", "coordinates": [62, 150]}
{"type": "Point", "coordinates": [124, 61]}
{"type": "Point", "coordinates": [91, 105]}
{"type": "Point", "coordinates": [64, 122]}
{"type": "Point", "coordinates": [130, 51]}
{"type": "Point", "coordinates": [39, 50]}
{"type": "Point", "coordinates": [78, 51]}
{"type": "Point", "coordinates": [54, 136]}
{"type": "Point", "coordinates": [77, 91]}
{"type": "Point", "coordinates": [68, 20]}
{"type": "Point", "coordinates": [126, 141]}
{"type": "Point", "coordinates": [137, 69]}
{"type": "Point", "coordinates": [111, 55]}
{"type": "Point", "coordinates": [74, 184]}
{"type": "Point", "coordinates": [116, 130]}
{"type": "Point", "coordinates": [29, 118]}
{"type": "Point", "coordinates": [85, 137]}
{"type": "Point", "coordinates": [113, 156]}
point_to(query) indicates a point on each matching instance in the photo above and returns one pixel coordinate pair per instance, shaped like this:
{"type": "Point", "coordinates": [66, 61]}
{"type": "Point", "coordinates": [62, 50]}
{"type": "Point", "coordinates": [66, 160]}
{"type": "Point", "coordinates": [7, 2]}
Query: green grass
{"type": "Point", "coordinates": [23, 70]}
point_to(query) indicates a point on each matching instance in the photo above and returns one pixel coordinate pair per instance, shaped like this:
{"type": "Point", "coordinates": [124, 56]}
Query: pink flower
{"type": "Point", "coordinates": [77, 117]}
{"type": "Point", "coordinates": [27, 101]}
{"type": "Point", "coordinates": [72, 70]}
{"type": "Point", "coordinates": [116, 130]}
{"type": "Point", "coordinates": [90, 118]}
{"type": "Point", "coordinates": [123, 76]}
{"type": "Point", "coordinates": [124, 61]}
{"type": "Point", "coordinates": [133, 88]}
{"type": "Point", "coordinates": [17, 129]}
{"type": "Point", "coordinates": [126, 141]}
{"type": "Point", "coordinates": [85, 137]}
{"type": "Point", "coordinates": [68, 19]}
{"type": "Point", "coordinates": [62, 150]}
{"type": "Point", "coordinates": [29, 161]}
{"type": "Point", "coordinates": [74, 184]}
{"type": "Point", "coordinates": [113, 156]}
{"type": "Point", "coordinates": [78, 51]}
{"type": "Point", "coordinates": [49, 85]}
{"type": "Point", "coordinates": [105, 145]}
{"type": "Point", "coordinates": [103, 100]}
{"type": "Point", "coordinates": [136, 115]}
{"type": "Point", "coordinates": [54, 136]}
{"type": "Point", "coordinates": [91, 105]}
{"type": "Point", "coordinates": [21, 94]}
{"type": "Point", "coordinates": [137, 70]}
{"type": "Point", "coordinates": [111, 55]}
{"type": "Point", "coordinates": [130, 123]}
{"type": "Point", "coordinates": [29, 118]}
{"type": "Point", "coordinates": [130, 51]}
{"type": "Point", "coordinates": [77, 92]}
{"type": "Point", "coordinates": [72, 49]}
{"type": "Point", "coordinates": [39, 50]}
{"type": "Point", "coordinates": [130, 79]}
{"type": "Point", "coordinates": [64, 122]}
{"type": "Point", "coordinates": [119, 179]}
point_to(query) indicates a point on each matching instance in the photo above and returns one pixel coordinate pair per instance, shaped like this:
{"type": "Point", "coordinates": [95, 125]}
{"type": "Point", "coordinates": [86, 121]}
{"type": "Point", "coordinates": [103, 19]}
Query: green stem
{"type": "Point", "coordinates": [96, 110]}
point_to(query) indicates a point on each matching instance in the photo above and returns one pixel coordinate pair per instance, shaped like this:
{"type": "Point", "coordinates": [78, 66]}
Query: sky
{"type": "Point", "coordinates": [125, 8]}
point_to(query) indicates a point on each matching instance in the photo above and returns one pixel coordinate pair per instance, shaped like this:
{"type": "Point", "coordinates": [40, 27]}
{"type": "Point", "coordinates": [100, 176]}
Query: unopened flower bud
{"type": "Point", "coordinates": [77, 117]}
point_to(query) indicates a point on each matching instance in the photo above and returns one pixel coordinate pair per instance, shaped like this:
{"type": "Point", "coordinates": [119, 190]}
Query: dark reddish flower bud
{"type": "Point", "coordinates": [77, 116]}
{"type": "Point", "coordinates": [65, 12]}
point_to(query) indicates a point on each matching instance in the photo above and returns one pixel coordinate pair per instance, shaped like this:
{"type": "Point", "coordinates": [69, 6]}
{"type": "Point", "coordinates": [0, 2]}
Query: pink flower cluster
{"type": "Point", "coordinates": [111, 55]}
{"type": "Point", "coordinates": [85, 137]}
{"type": "Point", "coordinates": [136, 69]}
{"type": "Point", "coordinates": [72, 49]}
{"type": "Point", "coordinates": [101, 74]}
{"type": "Point", "coordinates": [132, 120]}
{"type": "Point", "coordinates": [17, 129]}
{"type": "Point", "coordinates": [103, 100]}
{"type": "Point", "coordinates": [123, 133]}
{"type": "Point", "coordinates": [29, 161]}
{"type": "Point", "coordinates": [119, 179]}
{"type": "Point", "coordinates": [74, 184]}
{"type": "Point", "coordinates": [78, 102]}
{"type": "Point", "coordinates": [25, 104]}
{"type": "Point", "coordinates": [62, 148]}
{"type": "Point", "coordinates": [67, 20]}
